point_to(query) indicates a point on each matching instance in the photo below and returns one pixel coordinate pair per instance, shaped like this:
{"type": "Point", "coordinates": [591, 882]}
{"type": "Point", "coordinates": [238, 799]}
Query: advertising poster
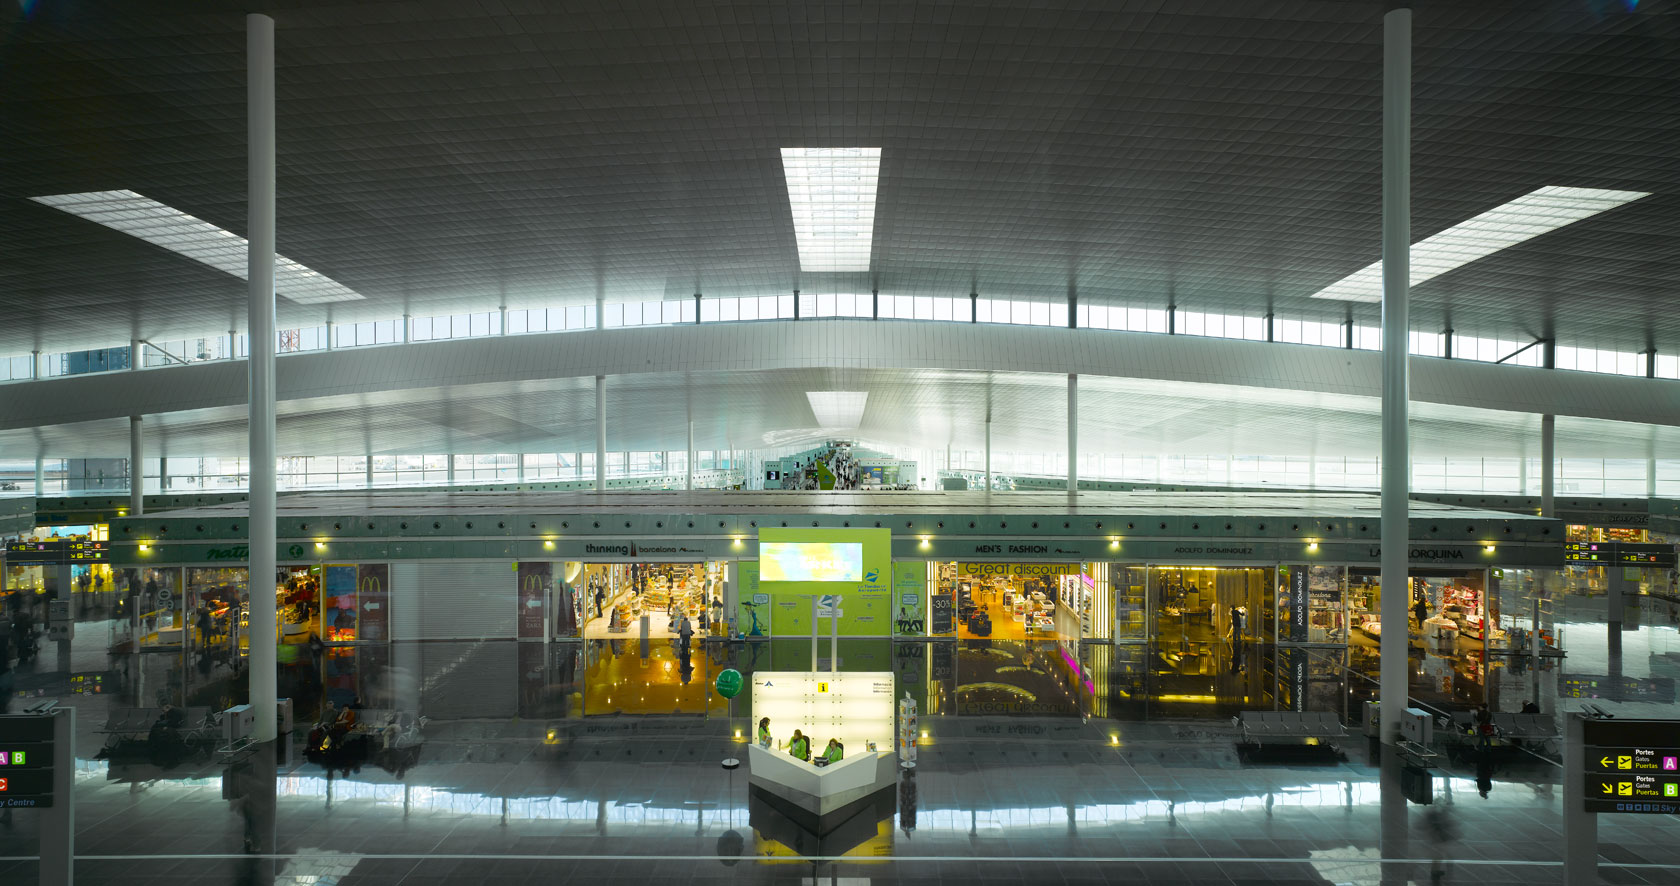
{"type": "Point", "coordinates": [943, 618]}
{"type": "Point", "coordinates": [909, 589]}
{"type": "Point", "coordinates": [535, 582]}
{"type": "Point", "coordinates": [338, 604]}
{"type": "Point", "coordinates": [1297, 605]}
{"type": "Point", "coordinates": [373, 594]}
{"type": "Point", "coordinates": [854, 565]}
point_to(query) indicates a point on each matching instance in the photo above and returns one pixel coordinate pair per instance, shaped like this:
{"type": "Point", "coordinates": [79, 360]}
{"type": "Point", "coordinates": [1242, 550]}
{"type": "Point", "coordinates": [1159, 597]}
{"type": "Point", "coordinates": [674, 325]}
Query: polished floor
{"type": "Point", "coordinates": [515, 782]}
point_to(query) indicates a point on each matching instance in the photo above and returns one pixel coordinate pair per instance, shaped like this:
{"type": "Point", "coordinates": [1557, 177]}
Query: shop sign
{"type": "Point", "coordinates": [237, 552]}
{"type": "Point", "coordinates": [1601, 518]}
{"type": "Point", "coordinates": [635, 550]}
{"type": "Point", "coordinates": [1017, 569]}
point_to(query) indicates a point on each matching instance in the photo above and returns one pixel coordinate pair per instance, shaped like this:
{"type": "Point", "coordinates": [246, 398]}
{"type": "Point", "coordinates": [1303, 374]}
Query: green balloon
{"type": "Point", "coordinates": [729, 683]}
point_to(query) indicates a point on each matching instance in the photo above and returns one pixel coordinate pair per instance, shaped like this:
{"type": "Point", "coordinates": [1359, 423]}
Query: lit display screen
{"type": "Point", "coordinates": [810, 561]}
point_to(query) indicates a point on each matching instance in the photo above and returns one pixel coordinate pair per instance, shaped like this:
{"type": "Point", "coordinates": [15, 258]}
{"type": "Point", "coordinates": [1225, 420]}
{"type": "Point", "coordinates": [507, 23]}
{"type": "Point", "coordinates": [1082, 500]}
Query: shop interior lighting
{"type": "Point", "coordinates": [1488, 548]}
{"type": "Point", "coordinates": [832, 194]}
{"type": "Point", "coordinates": [1312, 545]}
{"type": "Point", "coordinates": [144, 547]}
{"type": "Point", "coordinates": [1535, 213]}
{"type": "Point", "coordinates": [320, 546]}
{"type": "Point", "coordinates": [160, 225]}
{"type": "Point", "coordinates": [838, 410]}
{"type": "Point", "coordinates": [548, 544]}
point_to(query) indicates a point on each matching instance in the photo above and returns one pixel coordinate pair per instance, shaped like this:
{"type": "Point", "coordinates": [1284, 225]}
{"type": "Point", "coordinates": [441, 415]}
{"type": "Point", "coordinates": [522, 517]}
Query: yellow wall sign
{"type": "Point", "coordinates": [822, 687]}
{"type": "Point", "coordinates": [1017, 569]}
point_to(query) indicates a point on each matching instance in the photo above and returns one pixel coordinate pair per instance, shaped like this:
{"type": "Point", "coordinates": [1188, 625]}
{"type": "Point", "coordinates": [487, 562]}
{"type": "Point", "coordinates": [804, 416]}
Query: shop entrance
{"type": "Point", "coordinates": [1207, 620]}
{"type": "Point", "coordinates": [618, 598]}
{"type": "Point", "coordinates": [1017, 601]}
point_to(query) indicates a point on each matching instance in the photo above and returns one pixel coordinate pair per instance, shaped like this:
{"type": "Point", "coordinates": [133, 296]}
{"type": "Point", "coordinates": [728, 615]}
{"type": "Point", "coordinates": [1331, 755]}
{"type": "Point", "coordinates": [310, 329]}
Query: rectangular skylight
{"type": "Point", "coordinates": [832, 192]}
{"type": "Point", "coordinates": [1524, 218]}
{"type": "Point", "coordinates": [837, 409]}
{"type": "Point", "coordinates": [199, 240]}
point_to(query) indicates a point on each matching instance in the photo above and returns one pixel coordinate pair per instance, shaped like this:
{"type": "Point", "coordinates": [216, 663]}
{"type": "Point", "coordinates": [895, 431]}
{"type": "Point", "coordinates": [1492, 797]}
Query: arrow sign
{"type": "Point", "coordinates": [1605, 762]}
{"type": "Point", "coordinates": [1606, 787]}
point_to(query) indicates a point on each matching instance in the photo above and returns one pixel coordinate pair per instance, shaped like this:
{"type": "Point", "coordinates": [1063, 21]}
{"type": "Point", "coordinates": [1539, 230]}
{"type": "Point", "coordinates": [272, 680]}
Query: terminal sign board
{"type": "Point", "coordinates": [1619, 553]}
{"type": "Point", "coordinates": [1632, 766]}
{"type": "Point", "coordinates": [58, 550]}
{"type": "Point", "coordinates": [26, 761]}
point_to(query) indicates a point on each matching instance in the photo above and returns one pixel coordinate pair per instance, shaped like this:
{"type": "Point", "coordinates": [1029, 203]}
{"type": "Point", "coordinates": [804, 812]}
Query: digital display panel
{"type": "Point", "coordinates": [810, 561]}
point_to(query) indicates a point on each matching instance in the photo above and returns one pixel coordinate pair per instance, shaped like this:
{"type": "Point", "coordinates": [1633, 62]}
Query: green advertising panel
{"type": "Point", "coordinates": [909, 591]}
{"type": "Point", "coordinates": [849, 570]}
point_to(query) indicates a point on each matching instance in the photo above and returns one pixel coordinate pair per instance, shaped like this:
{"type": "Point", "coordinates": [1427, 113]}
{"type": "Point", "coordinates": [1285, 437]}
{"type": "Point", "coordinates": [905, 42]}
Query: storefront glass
{"type": "Point", "coordinates": [1129, 584]}
{"type": "Point", "coordinates": [222, 593]}
{"type": "Point", "coordinates": [1312, 604]}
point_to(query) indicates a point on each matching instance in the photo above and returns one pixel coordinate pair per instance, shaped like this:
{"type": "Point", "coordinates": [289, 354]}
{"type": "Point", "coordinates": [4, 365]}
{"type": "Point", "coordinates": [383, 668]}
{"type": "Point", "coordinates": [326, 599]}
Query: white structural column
{"type": "Point", "coordinates": [1650, 478]}
{"type": "Point", "coordinates": [522, 467]}
{"type": "Point", "coordinates": [163, 475]}
{"type": "Point", "coordinates": [259, 97]}
{"type": "Point", "coordinates": [600, 433]}
{"type": "Point", "coordinates": [40, 476]}
{"type": "Point", "coordinates": [1548, 464]}
{"type": "Point", "coordinates": [1396, 270]}
{"type": "Point", "coordinates": [1073, 433]}
{"type": "Point", "coordinates": [689, 484]}
{"type": "Point", "coordinates": [136, 467]}
{"type": "Point", "coordinates": [368, 482]}
{"type": "Point", "coordinates": [407, 327]}
{"type": "Point", "coordinates": [988, 453]}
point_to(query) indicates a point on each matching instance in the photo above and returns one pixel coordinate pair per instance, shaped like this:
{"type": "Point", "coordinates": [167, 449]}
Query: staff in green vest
{"type": "Point", "coordinates": [833, 752]}
{"type": "Point", "coordinates": [799, 746]}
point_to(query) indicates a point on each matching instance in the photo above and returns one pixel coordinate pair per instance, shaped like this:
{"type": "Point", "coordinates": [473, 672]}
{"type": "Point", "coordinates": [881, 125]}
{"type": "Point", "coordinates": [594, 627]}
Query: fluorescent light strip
{"type": "Point", "coordinates": [1501, 227]}
{"type": "Point", "coordinates": [832, 193]}
{"type": "Point", "coordinates": [151, 221]}
{"type": "Point", "coordinates": [837, 409]}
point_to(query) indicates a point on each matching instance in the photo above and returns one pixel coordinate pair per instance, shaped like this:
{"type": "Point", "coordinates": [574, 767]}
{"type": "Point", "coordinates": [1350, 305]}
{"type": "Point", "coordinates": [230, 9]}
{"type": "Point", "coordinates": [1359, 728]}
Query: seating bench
{"type": "Point", "coordinates": [1277, 727]}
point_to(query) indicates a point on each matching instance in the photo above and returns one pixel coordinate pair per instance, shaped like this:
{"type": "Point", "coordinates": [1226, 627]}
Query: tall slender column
{"type": "Point", "coordinates": [522, 467]}
{"type": "Point", "coordinates": [136, 467]}
{"type": "Point", "coordinates": [690, 462]}
{"type": "Point", "coordinates": [163, 475]}
{"type": "Point", "coordinates": [449, 477]}
{"type": "Point", "coordinates": [40, 477]}
{"type": "Point", "coordinates": [407, 327]}
{"type": "Point", "coordinates": [136, 353]}
{"type": "Point", "coordinates": [600, 433]}
{"type": "Point", "coordinates": [38, 369]}
{"type": "Point", "coordinates": [368, 482]}
{"type": "Point", "coordinates": [1396, 449]}
{"type": "Point", "coordinates": [503, 329]}
{"type": "Point", "coordinates": [259, 84]}
{"type": "Point", "coordinates": [1650, 478]}
{"type": "Point", "coordinates": [1073, 434]}
{"type": "Point", "coordinates": [988, 453]}
{"type": "Point", "coordinates": [1548, 463]}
